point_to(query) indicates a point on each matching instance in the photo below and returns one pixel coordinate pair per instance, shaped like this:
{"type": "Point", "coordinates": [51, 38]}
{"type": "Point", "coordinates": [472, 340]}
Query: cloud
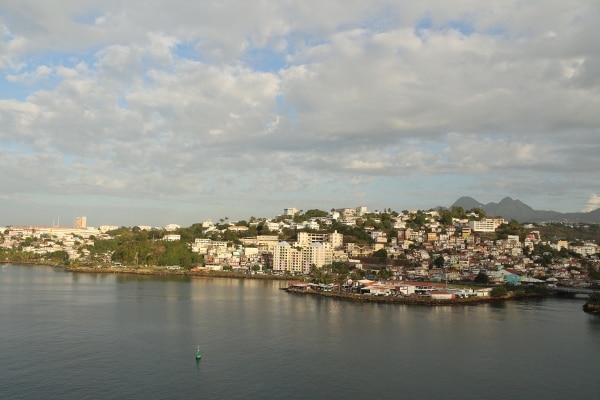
{"type": "Point", "coordinates": [592, 204]}
{"type": "Point", "coordinates": [196, 101]}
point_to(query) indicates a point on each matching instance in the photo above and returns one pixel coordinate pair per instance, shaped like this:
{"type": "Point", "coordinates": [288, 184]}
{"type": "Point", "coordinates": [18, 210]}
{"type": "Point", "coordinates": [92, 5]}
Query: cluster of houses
{"type": "Point", "coordinates": [50, 239]}
{"type": "Point", "coordinates": [465, 254]}
{"type": "Point", "coordinates": [410, 254]}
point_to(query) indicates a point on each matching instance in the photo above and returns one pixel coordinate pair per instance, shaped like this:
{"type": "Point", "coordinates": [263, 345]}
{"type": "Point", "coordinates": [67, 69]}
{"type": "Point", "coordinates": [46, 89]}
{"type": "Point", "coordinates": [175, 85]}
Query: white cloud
{"type": "Point", "coordinates": [593, 203]}
{"type": "Point", "coordinates": [201, 98]}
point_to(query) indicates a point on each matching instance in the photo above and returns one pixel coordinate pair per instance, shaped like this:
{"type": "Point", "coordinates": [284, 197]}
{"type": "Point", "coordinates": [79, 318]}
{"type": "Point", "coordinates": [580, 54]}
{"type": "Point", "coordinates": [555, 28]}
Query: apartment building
{"type": "Point", "coordinates": [299, 260]}
{"type": "Point", "coordinates": [486, 224]}
{"type": "Point", "coordinates": [335, 239]}
{"type": "Point", "coordinates": [290, 211]}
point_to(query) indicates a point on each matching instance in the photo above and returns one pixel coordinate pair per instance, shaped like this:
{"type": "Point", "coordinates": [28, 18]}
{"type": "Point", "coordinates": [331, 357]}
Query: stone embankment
{"type": "Point", "coordinates": [174, 272]}
{"type": "Point", "coordinates": [410, 300]}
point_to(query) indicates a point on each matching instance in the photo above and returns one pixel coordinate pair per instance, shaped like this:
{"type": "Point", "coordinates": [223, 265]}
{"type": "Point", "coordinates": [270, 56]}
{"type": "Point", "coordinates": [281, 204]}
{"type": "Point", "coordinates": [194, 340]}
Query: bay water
{"type": "Point", "coordinates": [111, 336]}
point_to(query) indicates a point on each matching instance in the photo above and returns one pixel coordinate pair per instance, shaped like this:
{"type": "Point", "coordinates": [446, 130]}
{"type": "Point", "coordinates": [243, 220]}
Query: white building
{"type": "Point", "coordinates": [273, 226]}
{"type": "Point", "coordinates": [335, 239]}
{"type": "Point", "coordinates": [290, 211]}
{"type": "Point", "coordinates": [361, 210]}
{"type": "Point", "coordinates": [588, 249]}
{"type": "Point", "coordinates": [106, 228]}
{"type": "Point", "coordinates": [286, 258]}
{"type": "Point", "coordinates": [299, 260]}
{"type": "Point", "coordinates": [486, 224]}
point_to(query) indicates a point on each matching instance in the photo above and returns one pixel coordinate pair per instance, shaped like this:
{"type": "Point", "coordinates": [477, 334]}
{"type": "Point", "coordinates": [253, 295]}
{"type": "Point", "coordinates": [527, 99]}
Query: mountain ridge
{"type": "Point", "coordinates": [509, 209]}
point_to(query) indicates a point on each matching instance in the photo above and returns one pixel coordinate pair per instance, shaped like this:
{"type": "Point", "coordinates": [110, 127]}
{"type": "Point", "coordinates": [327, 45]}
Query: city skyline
{"type": "Point", "coordinates": [183, 112]}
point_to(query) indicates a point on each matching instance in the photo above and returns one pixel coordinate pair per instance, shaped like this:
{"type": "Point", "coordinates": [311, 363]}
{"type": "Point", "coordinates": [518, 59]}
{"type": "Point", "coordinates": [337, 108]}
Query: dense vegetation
{"type": "Point", "coordinates": [139, 247]}
{"type": "Point", "coordinates": [594, 299]}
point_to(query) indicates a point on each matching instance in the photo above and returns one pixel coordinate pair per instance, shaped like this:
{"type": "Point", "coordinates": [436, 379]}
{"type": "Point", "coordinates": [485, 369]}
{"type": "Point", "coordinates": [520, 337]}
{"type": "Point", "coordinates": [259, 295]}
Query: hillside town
{"type": "Point", "coordinates": [444, 245]}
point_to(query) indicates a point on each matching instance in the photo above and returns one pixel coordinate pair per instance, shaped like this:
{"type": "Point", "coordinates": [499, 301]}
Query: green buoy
{"type": "Point", "coordinates": [198, 355]}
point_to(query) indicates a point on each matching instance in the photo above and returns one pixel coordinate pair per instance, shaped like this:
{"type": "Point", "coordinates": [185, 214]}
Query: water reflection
{"type": "Point", "coordinates": [260, 342]}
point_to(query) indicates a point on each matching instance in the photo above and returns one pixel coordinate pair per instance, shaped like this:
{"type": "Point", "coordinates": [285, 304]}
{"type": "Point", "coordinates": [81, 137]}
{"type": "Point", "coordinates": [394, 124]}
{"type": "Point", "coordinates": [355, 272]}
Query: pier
{"type": "Point", "coordinates": [573, 291]}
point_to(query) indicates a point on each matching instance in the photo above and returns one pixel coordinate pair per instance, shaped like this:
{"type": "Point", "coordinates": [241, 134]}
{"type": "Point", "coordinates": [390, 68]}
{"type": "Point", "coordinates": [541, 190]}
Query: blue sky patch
{"type": "Point", "coordinates": [187, 51]}
{"type": "Point", "coordinates": [264, 59]}
{"type": "Point", "coordinates": [14, 91]}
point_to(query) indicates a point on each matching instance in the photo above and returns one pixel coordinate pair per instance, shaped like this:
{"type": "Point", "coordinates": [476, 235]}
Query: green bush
{"type": "Point", "coordinates": [594, 299]}
{"type": "Point", "coordinates": [499, 291]}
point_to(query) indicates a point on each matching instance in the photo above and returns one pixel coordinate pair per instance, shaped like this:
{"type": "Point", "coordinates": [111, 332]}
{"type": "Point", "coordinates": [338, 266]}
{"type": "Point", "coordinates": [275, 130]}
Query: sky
{"type": "Point", "coordinates": [155, 112]}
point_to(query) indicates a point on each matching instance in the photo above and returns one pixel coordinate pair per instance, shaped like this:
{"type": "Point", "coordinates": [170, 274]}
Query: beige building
{"type": "Point", "coordinates": [335, 239]}
{"type": "Point", "coordinates": [299, 260]}
{"type": "Point", "coordinates": [81, 222]}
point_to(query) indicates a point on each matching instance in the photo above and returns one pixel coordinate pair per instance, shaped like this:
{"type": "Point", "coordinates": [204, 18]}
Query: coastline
{"type": "Point", "coordinates": [415, 300]}
{"type": "Point", "coordinates": [181, 272]}
{"type": "Point", "coordinates": [158, 271]}
{"type": "Point", "coordinates": [342, 296]}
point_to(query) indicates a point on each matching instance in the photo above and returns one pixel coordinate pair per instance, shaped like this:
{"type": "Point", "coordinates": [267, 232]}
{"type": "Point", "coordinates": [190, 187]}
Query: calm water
{"type": "Point", "coordinates": [83, 336]}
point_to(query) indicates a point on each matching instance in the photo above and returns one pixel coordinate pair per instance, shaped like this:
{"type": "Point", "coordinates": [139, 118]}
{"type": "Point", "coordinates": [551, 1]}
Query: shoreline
{"type": "Point", "coordinates": [164, 272]}
{"type": "Point", "coordinates": [342, 296]}
{"type": "Point", "coordinates": [416, 300]}
{"type": "Point", "coordinates": [156, 271]}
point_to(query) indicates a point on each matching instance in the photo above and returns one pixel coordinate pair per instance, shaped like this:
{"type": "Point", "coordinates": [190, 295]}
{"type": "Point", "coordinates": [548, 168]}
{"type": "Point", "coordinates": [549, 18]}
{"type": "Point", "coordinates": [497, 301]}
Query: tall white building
{"type": "Point", "coordinates": [286, 258]}
{"type": "Point", "coordinates": [299, 260]}
{"type": "Point", "coordinates": [361, 210]}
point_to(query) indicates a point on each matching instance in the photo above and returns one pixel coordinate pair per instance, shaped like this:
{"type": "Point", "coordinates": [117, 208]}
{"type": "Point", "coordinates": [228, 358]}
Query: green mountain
{"type": "Point", "coordinates": [521, 212]}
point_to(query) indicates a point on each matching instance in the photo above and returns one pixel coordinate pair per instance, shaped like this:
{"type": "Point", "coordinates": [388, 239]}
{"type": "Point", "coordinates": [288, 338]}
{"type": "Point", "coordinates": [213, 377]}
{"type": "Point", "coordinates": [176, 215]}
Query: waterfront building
{"type": "Point", "coordinates": [299, 260]}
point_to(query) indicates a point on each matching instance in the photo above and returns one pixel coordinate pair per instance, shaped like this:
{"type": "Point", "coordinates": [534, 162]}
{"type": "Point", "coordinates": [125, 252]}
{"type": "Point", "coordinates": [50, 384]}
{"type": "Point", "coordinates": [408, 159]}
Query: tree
{"type": "Point", "coordinates": [439, 261]}
{"type": "Point", "coordinates": [59, 256]}
{"type": "Point", "coordinates": [384, 273]}
{"type": "Point", "coordinates": [482, 278]}
{"type": "Point", "coordinates": [445, 217]}
{"type": "Point", "coordinates": [499, 291]}
{"type": "Point", "coordinates": [510, 228]}
{"type": "Point", "coordinates": [594, 299]}
{"type": "Point", "coordinates": [381, 253]}
{"type": "Point", "coordinates": [340, 267]}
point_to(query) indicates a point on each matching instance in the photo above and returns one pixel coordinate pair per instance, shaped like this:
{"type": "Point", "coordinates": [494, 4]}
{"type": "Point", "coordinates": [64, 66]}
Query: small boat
{"type": "Point", "coordinates": [198, 355]}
